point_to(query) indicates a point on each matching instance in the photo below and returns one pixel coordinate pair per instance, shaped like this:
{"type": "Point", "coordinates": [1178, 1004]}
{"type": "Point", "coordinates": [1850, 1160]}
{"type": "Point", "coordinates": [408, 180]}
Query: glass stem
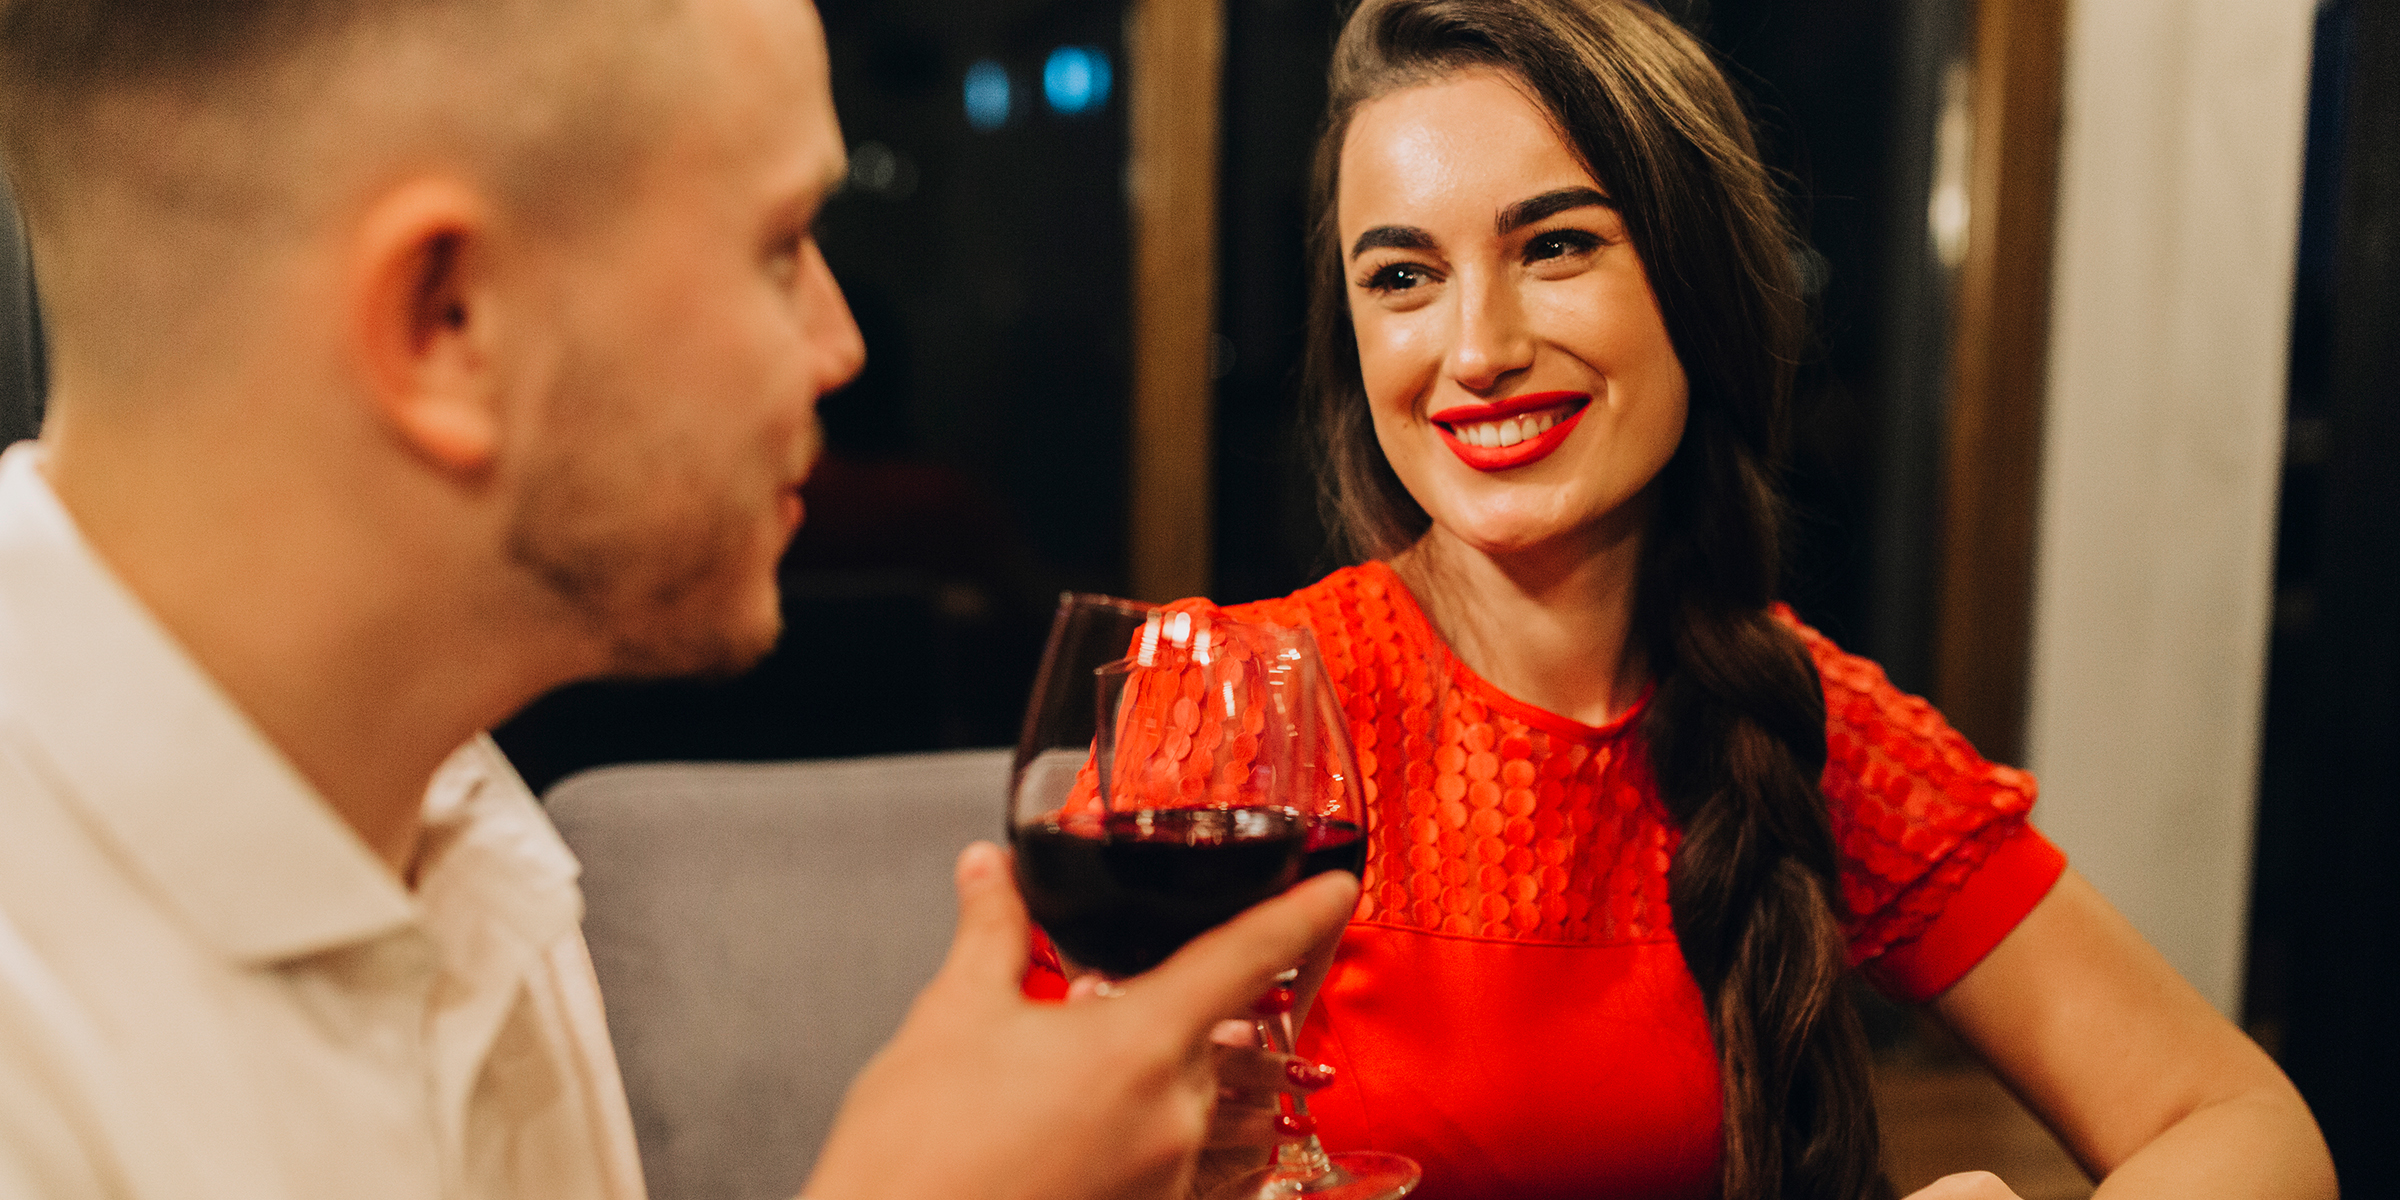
{"type": "Point", "coordinates": [1305, 1158]}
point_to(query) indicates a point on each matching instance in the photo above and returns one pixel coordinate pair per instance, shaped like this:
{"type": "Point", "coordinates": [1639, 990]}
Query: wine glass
{"type": "Point", "coordinates": [1149, 802]}
{"type": "Point", "coordinates": [1331, 800]}
{"type": "Point", "coordinates": [1176, 767]}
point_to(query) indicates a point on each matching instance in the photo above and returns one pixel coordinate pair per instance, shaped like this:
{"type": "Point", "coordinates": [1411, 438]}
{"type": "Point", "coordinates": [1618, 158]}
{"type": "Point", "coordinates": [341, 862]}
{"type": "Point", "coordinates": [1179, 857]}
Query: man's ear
{"type": "Point", "coordinates": [422, 328]}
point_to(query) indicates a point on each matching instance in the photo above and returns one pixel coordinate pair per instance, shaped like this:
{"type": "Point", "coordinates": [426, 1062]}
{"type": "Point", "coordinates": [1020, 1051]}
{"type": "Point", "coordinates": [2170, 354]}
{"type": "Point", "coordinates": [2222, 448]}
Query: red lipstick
{"type": "Point", "coordinates": [1531, 450]}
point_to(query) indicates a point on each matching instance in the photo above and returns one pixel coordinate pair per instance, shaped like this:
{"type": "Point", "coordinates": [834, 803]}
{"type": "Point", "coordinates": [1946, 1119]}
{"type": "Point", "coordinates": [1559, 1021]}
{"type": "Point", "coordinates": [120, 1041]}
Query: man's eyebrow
{"type": "Point", "coordinates": [1391, 237]}
{"type": "Point", "coordinates": [1549, 204]}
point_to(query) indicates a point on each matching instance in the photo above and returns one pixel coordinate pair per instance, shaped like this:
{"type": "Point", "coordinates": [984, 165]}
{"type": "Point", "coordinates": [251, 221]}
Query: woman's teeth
{"type": "Point", "coordinates": [1508, 432]}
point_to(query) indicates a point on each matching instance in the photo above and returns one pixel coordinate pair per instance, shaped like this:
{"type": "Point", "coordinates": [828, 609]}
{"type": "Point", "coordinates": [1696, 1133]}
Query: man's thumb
{"type": "Point", "coordinates": [1223, 970]}
{"type": "Point", "coordinates": [990, 946]}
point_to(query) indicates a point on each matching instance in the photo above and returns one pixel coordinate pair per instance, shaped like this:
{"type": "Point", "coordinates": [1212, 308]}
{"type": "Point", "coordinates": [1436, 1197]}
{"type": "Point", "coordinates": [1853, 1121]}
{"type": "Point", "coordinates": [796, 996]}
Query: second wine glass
{"type": "Point", "coordinates": [1330, 796]}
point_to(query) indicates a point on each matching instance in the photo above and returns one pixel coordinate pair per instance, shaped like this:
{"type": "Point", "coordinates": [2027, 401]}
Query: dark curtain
{"type": "Point", "coordinates": [2324, 958]}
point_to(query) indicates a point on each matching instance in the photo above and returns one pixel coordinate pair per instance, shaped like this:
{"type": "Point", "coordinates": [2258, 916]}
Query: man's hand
{"type": "Point", "coordinates": [1966, 1185]}
{"type": "Point", "coordinates": [984, 1095]}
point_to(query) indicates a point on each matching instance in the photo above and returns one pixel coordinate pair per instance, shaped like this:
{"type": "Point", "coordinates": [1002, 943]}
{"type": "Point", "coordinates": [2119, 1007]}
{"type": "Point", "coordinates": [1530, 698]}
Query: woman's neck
{"type": "Point", "coordinates": [1550, 626]}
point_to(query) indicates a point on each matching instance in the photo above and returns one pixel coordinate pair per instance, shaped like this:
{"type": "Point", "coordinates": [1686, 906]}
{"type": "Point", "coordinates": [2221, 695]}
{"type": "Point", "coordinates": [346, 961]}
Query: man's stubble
{"type": "Point", "coordinates": [639, 538]}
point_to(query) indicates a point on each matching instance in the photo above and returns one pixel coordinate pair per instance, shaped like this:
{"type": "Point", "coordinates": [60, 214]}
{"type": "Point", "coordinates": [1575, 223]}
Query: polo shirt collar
{"type": "Point", "coordinates": [169, 771]}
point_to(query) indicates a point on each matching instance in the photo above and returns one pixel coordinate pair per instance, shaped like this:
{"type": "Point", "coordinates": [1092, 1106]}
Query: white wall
{"type": "Point", "coordinates": [2178, 221]}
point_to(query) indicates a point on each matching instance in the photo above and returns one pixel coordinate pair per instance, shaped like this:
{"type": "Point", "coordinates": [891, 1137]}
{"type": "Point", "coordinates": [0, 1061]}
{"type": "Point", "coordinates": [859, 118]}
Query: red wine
{"type": "Point", "coordinates": [1120, 892]}
{"type": "Point", "coordinates": [1334, 846]}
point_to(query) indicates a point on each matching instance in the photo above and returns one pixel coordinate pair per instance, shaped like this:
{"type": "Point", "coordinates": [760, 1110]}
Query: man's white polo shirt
{"type": "Point", "coordinates": [210, 988]}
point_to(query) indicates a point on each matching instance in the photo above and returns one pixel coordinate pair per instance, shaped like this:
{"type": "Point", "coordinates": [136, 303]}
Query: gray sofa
{"type": "Point", "coordinates": [759, 931]}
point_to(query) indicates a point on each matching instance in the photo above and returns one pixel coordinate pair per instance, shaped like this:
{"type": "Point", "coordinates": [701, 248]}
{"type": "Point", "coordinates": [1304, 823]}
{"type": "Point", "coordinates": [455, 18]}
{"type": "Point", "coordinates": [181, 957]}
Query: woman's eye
{"type": "Point", "coordinates": [1397, 277]}
{"type": "Point", "coordinates": [1560, 243]}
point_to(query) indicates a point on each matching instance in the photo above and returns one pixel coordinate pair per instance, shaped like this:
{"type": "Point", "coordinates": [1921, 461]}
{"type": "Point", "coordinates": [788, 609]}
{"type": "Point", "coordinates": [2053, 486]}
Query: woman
{"type": "Point", "coordinates": [1631, 834]}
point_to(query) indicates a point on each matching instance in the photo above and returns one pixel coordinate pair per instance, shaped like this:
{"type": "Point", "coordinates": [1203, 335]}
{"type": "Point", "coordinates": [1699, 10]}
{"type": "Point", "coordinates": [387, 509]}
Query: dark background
{"type": "Point", "coordinates": [2324, 980]}
{"type": "Point", "coordinates": [22, 378]}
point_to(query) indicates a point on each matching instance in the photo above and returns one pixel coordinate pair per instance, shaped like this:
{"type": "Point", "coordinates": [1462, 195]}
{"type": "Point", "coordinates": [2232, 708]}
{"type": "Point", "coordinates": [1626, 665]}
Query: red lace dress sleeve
{"type": "Point", "coordinates": [1938, 862]}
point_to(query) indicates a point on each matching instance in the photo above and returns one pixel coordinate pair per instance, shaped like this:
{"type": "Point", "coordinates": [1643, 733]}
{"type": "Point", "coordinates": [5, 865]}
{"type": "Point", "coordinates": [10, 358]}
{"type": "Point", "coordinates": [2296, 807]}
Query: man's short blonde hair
{"type": "Point", "coordinates": [548, 93]}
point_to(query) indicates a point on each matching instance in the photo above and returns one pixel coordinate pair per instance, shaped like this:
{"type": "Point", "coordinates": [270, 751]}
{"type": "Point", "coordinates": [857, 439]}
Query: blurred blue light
{"type": "Point", "coordinates": [987, 95]}
{"type": "Point", "coordinates": [1076, 79]}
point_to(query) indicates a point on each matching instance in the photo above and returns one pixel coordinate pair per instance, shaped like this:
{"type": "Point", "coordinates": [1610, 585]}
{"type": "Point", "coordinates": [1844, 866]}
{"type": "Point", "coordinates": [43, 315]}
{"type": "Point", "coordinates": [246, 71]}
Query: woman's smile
{"type": "Point", "coordinates": [1513, 432]}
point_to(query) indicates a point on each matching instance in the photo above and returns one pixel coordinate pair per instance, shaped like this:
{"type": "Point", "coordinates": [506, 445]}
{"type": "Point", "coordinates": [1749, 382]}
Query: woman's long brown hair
{"type": "Point", "coordinates": [1736, 731]}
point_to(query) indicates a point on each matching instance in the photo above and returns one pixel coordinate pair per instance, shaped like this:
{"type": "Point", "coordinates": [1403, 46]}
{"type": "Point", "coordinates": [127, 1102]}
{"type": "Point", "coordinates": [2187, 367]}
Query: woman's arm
{"type": "Point", "coordinates": [2150, 1089]}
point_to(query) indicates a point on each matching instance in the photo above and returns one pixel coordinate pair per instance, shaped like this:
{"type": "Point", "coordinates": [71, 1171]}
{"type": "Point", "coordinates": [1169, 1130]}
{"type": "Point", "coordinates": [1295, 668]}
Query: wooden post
{"type": "Point", "coordinates": [1999, 355]}
{"type": "Point", "coordinates": [1175, 53]}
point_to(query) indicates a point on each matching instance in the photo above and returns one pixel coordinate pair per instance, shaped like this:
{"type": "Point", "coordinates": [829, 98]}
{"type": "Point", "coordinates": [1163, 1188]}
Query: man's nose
{"type": "Point", "coordinates": [830, 325]}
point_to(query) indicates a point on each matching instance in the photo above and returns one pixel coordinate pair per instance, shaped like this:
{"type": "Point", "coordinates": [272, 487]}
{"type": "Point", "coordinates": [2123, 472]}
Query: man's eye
{"type": "Point", "coordinates": [1397, 277]}
{"type": "Point", "coordinates": [1561, 243]}
{"type": "Point", "coordinates": [783, 259]}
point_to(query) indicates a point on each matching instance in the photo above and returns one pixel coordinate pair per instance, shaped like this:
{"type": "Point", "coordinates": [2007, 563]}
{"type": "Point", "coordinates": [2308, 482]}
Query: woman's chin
{"type": "Point", "coordinates": [1527, 539]}
{"type": "Point", "coordinates": [1504, 539]}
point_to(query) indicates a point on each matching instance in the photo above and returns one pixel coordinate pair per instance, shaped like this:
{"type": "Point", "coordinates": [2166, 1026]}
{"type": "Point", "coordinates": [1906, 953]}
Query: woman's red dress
{"type": "Point", "coordinates": [1509, 1006]}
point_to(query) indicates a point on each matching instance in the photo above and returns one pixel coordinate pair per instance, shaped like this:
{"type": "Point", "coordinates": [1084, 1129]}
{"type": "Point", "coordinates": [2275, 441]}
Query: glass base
{"type": "Point", "coordinates": [1356, 1175]}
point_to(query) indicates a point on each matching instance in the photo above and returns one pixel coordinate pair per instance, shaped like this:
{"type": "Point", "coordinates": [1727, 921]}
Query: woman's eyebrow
{"type": "Point", "coordinates": [1548, 204]}
{"type": "Point", "coordinates": [1392, 237]}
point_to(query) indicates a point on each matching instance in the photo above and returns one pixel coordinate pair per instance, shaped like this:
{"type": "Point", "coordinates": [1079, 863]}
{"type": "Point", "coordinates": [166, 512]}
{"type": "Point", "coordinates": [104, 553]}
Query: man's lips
{"type": "Point", "coordinates": [1531, 425]}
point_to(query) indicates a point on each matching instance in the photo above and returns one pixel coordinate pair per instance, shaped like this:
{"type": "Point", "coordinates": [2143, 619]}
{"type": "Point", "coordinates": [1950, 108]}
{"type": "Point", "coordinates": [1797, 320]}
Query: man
{"type": "Point", "coordinates": [410, 359]}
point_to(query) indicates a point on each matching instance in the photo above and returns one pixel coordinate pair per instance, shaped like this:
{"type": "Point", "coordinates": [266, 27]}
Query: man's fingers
{"type": "Point", "coordinates": [1967, 1185]}
{"type": "Point", "coordinates": [1242, 1125]}
{"type": "Point", "coordinates": [990, 946]}
{"type": "Point", "coordinates": [1225, 969]}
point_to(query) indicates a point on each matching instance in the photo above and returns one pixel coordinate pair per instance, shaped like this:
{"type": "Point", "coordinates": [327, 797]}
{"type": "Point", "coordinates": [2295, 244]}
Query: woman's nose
{"type": "Point", "coordinates": [1492, 341]}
